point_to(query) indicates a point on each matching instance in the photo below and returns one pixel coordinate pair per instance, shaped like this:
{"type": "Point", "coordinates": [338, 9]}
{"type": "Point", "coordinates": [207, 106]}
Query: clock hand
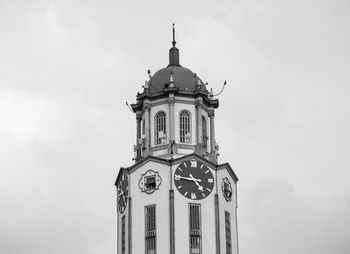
{"type": "Point", "coordinates": [195, 179]}
{"type": "Point", "coordinates": [188, 178]}
{"type": "Point", "coordinates": [196, 182]}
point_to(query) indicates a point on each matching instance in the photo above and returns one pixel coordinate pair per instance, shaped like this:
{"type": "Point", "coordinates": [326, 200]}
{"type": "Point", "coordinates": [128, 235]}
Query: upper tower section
{"type": "Point", "coordinates": [175, 113]}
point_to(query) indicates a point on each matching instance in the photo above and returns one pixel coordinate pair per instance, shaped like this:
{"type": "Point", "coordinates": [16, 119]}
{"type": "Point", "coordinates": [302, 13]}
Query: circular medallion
{"type": "Point", "coordinates": [226, 189]}
{"type": "Point", "coordinates": [150, 181]}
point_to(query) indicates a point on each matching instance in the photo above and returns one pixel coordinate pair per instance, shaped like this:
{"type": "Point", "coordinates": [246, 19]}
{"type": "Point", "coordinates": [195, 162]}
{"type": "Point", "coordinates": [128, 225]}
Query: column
{"type": "Point", "coordinates": [217, 223]}
{"type": "Point", "coordinates": [172, 221]}
{"type": "Point", "coordinates": [212, 133]}
{"type": "Point", "coordinates": [171, 118]}
{"type": "Point", "coordinates": [199, 122]}
{"type": "Point", "coordinates": [138, 136]}
{"type": "Point", "coordinates": [147, 127]}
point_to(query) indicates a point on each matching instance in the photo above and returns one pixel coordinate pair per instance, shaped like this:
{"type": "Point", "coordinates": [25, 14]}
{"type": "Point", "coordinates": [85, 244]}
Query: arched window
{"type": "Point", "coordinates": [160, 127]}
{"type": "Point", "coordinates": [185, 127]}
{"type": "Point", "coordinates": [204, 132]}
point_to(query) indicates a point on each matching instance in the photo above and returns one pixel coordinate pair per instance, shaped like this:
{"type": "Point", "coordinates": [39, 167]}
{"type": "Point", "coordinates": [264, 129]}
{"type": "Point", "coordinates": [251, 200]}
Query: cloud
{"type": "Point", "coordinates": [67, 68]}
{"type": "Point", "coordinates": [276, 220]}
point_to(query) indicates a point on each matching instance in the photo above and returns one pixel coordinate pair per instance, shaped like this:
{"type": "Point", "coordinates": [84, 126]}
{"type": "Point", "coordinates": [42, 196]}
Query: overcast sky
{"type": "Point", "coordinates": [67, 68]}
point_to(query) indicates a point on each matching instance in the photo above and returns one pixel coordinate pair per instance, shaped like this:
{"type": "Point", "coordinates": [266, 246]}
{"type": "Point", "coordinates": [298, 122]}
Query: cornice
{"type": "Point", "coordinates": [171, 162]}
{"type": "Point", "coordinates": [142, 97]}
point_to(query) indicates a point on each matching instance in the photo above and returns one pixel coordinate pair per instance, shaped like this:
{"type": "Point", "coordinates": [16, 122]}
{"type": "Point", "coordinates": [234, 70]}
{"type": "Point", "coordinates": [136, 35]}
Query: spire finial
{"type": "Point", "coordinates": [174, 42]}
{"type": "Point", "coordinates": [174, 58]}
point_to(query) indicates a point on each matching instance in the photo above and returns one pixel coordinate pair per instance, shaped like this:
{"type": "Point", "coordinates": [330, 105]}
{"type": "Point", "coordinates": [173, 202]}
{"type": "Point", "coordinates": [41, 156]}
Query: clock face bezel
{"type": "Point", "coordinates": [123, 193]}
{"type": "Point", "coordinates": [194, 179]}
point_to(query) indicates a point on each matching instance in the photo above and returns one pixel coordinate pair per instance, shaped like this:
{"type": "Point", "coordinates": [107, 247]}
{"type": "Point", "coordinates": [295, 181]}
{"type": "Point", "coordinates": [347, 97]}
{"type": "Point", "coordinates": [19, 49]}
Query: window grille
{"type": "Point", "coordinates": [185, 127]}
{"type": "Point", "coordinates": [195, 228]}
{"type": "Point", "coordinates": [228, 232]}
{"type": "Point", "coordinates": [123, 234]}
{"type": "Point", "coordinates": [150, 229]}
{"type": "Point", "coordinates": [150, 182]}
{"type": "Point", "coordinates": [160, 128]}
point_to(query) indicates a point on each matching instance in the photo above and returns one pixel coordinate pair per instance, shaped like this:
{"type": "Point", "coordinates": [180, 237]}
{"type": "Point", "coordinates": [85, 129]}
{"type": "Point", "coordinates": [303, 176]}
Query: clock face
{"type": "Point", "coordinates": [193, 179]}
{"type": "Point", "coordinates": [122, 193]}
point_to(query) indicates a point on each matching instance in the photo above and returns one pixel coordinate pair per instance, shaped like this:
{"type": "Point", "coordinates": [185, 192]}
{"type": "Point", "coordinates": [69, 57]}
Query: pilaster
{"type": "Point", "coordinates": [171, 118]}
{"type": "Point", "coordinates": [212, 133]}
{"type": "Point", "coordinates": [147, 109]}
{"type": "Point", "coordinates": [138, 136]}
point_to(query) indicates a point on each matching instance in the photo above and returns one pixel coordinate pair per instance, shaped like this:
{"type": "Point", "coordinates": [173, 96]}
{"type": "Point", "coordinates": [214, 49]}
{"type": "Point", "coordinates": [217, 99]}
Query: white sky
{"type": "Point", "coordinates": [67, 68]}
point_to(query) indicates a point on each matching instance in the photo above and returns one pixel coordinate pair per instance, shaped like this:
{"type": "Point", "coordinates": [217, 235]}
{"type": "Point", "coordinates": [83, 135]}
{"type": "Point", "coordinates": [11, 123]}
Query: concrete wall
{"type": "Point", "coordinates": [182, 222]}
{"type": "Point", "coordinates": [229, 206]}
{"type": "Point", "coordinates": [141, 199]}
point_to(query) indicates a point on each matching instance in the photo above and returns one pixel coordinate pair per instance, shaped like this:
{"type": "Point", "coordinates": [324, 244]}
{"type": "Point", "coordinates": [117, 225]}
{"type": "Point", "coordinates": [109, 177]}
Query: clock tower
{"type": "Point", "coordinates": [176, 198]}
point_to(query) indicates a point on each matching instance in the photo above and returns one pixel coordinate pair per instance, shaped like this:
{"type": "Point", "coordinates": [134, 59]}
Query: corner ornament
{"type": "Point", "coordinates": [226, 189]}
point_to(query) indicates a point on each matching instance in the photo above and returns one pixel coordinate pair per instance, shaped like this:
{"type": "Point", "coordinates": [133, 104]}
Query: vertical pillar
{"type": "Point", "coordinates": [172, 222]}
{"type": "Point", "coordinates": [236, 218]}
{"type": "Point", "coordinates": [217, 224]}
{"type": "Point", "coordinates": [212, 133]}
{"type": "Point", "coordinates": [171, 118]}
{"type": "Point", "coordinates": [199, 122]}
{"type": "Point", "coordinates": [130, 227]}
{"type": "Point", "coordinates": [138, 136]}
{"type": "Point", "coordinates": [147, 128]}
{"type": "Point", "coordinates": [118, 231]}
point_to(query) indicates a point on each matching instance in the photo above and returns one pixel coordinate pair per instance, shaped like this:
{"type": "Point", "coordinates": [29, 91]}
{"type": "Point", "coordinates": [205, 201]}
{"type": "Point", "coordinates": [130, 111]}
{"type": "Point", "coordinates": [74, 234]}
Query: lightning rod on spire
{"type": "Point", "coordinates": [174, 42]}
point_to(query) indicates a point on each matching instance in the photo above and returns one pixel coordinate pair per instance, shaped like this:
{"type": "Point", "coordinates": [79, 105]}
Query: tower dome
{"type": "Point", "coordinates": [183, 79]}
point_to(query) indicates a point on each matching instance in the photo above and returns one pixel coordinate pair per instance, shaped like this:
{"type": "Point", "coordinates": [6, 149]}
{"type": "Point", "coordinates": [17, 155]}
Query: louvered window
{"type": "Point", "coordinates": [185, 127]}
{"type": "Point", "coordinates": [150, 230]}
{"type": "Point", "coordinates": [160, 123]}
{"type": "Point", "coordinates": [195, 228]}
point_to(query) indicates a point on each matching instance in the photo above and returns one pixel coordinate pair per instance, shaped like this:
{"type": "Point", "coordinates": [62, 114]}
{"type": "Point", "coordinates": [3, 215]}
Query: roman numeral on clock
{"type": "Point", "coordinates": [193, 196]}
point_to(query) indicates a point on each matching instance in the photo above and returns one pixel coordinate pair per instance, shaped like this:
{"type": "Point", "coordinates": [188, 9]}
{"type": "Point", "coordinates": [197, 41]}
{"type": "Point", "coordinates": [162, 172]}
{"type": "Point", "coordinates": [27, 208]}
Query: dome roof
{"type": "Point", "coordinates": [174, 79]}
{"type": "Point", "coordinates": [184, 79]}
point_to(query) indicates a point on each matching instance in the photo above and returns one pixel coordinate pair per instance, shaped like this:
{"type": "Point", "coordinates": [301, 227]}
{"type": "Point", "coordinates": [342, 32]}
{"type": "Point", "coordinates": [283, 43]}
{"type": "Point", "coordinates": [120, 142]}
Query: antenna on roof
{"type": "Point", "coordinates": [174, 42]}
